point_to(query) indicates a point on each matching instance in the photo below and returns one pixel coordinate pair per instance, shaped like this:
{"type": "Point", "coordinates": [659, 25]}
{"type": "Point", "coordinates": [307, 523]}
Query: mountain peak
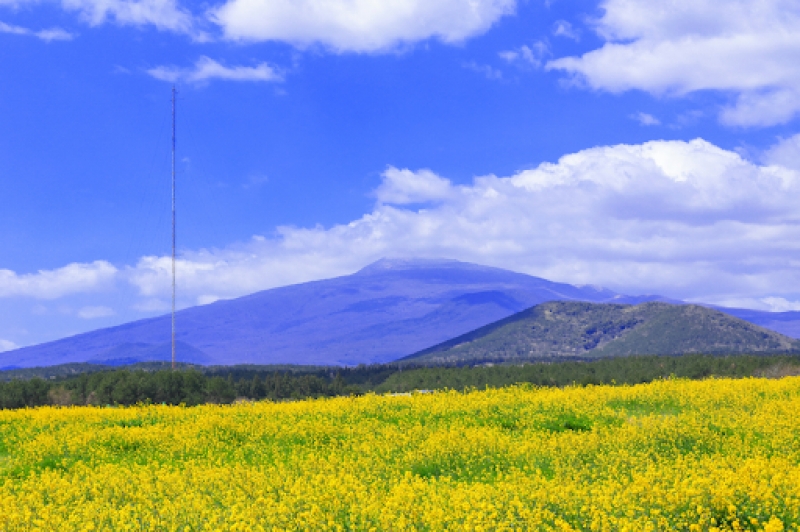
{"type": "Point", "coordinates": [413, 263]}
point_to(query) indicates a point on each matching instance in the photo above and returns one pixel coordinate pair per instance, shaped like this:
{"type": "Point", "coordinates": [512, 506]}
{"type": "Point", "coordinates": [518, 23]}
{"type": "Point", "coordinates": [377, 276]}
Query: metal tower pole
{"type": "Point", "coordinates": [174, 92]}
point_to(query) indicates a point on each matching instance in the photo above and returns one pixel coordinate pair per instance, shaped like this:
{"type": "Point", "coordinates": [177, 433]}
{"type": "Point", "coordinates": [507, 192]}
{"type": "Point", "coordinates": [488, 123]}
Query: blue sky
{"type": "Point", "coordinates": [645, 147]}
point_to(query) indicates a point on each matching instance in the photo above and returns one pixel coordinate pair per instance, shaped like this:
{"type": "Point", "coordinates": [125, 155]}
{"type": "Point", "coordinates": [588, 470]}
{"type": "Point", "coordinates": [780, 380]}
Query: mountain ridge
{"type": "Point", "coordinates": [568, 329]}
{"type": "Point", "coordinates": [385, 311]}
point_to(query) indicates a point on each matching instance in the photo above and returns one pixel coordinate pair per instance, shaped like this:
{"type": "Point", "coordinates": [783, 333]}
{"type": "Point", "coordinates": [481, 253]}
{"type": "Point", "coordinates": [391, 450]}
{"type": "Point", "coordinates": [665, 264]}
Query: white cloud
{"type": "Point", "coordinates": [358, 25]}
{"type": "Point", "coordinates": [206, 69]}
{"type": "Point", "coordinates": [92, 312]}
{"type": "Point", "coordinates": [749, 48]}
{"type": "Point", "coordinates": [404, 186]}
{"type": "Point", "coordinates": [646, 119]}
{"type": "Point", "coordinates": [785, 153]}
{"type": "Point", "coordinates": [562, 28]}
{"type": "Point", "coordinates": [163, 14]}
{"type": "Point", "coordinates": [53, 284]}
{"type": "Point", "coordinates": [527, 55]}
{"type": "Point", "coordinates": [770, 304]}
{"type": "Point", "coordinates": [485, 70]}
{"type": "Point", "coordinates": [7, 345]}
{"type": "Point", "coordinates": [686, 219]}
{"type": "Point", "coordinates": [241, 269]}
{"type": "Point", "coordinates": [50, 34]}
{"type": "Point", "coordinates": [15, 30]}
{"type": "Point", "coordinates": [763, 108]}
{"type": "Point", "coordinates": [779, 304]}
{"type": "Point", "coordinates": [54, 34]}
{"type": "Point", "coordinates": [207, 299]}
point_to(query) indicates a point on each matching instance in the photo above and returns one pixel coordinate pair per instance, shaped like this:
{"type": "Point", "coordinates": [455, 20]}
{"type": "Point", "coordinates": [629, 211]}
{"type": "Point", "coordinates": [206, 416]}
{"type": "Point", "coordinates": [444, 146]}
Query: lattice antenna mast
{"type": "Point", "coordinates": [174, 93]}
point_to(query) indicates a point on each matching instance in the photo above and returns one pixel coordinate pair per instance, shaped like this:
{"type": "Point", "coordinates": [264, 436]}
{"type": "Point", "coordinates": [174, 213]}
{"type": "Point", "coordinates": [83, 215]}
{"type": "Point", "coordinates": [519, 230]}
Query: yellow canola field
{"type": "Point", "coordinates": [671, 455]}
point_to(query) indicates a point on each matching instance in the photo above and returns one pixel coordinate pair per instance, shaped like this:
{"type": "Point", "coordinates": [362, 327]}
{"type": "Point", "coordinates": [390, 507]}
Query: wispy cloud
{"type": "Point", "coordinates": [646, 119]}
{"type": "Point", "coordinates": [165, 15]}
{"type": "Point", "coordinates": [486, 70]}
{"type": "Point", "coordinates": [47, 35]}
{"type": "Point", "coordinates": [255, 181]}
{"type": "Point", "coordinates": [562, 28]}
{"type": "Point", "coordinates": [532, 55]}
{"type": "Point", "coordinates": [206, 69]}
{"type": "Point", "coordinates": [93, 312]}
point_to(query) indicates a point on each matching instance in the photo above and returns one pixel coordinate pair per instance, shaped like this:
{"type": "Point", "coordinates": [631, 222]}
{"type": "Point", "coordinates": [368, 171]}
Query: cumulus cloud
{"type": "Point", "coordinates": [358, 25]}
{"type": "Point", "coordinates": [749, 49]}
{"type": "Point", "coordinates": [206, 69]}
{"type": "Point", "coordinates": [785, 153]}
{"type": "Point", "coordinates": [404, 186]}
{"type": "Point", "coordinates": [52, 284]}
{"type": "Point", "coordinates": [47, 35]}
{"type": "Point", "coordinates": [686, 219]}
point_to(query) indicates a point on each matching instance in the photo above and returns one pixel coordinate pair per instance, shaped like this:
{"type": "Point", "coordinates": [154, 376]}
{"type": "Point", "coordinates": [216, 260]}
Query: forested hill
{"type": "Point", "coordinates": [564, 329]}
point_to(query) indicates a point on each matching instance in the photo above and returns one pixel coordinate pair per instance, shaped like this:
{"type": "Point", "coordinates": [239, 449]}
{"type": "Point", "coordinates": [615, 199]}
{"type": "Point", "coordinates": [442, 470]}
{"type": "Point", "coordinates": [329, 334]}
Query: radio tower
{"type": "Point", "coordinates": [174, 92]}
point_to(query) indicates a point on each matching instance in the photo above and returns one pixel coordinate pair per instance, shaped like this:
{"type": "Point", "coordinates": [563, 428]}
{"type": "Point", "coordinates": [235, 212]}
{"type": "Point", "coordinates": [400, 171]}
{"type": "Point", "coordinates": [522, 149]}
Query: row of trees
{"type": "Point", "coordinates": [617, 370]}
{"type": "Point", "coordinates": [220, 385]}
{"type": "Point", "coordinates": [190, 387]}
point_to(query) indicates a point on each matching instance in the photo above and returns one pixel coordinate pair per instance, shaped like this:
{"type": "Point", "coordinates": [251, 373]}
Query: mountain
{"type": "Point", "coordinates": [577, 329]}
{"type": "Point", "coordinates": [388, 310]}
{"type": "Point", "coordinates": [787, 323]}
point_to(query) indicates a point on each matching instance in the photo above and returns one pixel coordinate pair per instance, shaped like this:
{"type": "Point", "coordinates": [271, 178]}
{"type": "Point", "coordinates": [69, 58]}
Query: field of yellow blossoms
{"type": "Point", "coordinates": [671, 455]}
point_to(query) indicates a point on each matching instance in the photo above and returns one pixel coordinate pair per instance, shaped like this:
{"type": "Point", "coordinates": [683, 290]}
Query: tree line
{"type": "Point", "coordinates": [191, 386]}
{"type": "Point", "coordinates": [612, 370]}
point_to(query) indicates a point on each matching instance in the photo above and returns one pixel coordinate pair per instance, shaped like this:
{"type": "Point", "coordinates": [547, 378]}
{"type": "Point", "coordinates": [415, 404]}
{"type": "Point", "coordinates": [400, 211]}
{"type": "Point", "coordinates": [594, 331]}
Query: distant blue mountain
{"type": "Point", "coordinates": [131, 353]}
{"type": "Point", "coordinates": [787, 323]}
{"type": "Point", "coordinates": [386, 311]}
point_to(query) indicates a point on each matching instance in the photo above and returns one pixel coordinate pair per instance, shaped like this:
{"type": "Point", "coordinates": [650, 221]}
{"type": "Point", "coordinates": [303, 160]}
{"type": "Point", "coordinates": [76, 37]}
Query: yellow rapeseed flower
{"type": "Point", "coordinates": [670, 455]}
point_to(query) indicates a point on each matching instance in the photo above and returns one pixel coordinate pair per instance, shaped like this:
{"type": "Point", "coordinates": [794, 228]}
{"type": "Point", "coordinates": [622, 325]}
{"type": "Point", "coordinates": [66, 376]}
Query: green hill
{"type": "Point", "coordinates": [560, 329]}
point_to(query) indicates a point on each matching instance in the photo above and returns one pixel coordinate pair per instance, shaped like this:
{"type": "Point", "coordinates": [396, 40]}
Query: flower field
{"type": "Point", "coordinates": [671, 455]}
